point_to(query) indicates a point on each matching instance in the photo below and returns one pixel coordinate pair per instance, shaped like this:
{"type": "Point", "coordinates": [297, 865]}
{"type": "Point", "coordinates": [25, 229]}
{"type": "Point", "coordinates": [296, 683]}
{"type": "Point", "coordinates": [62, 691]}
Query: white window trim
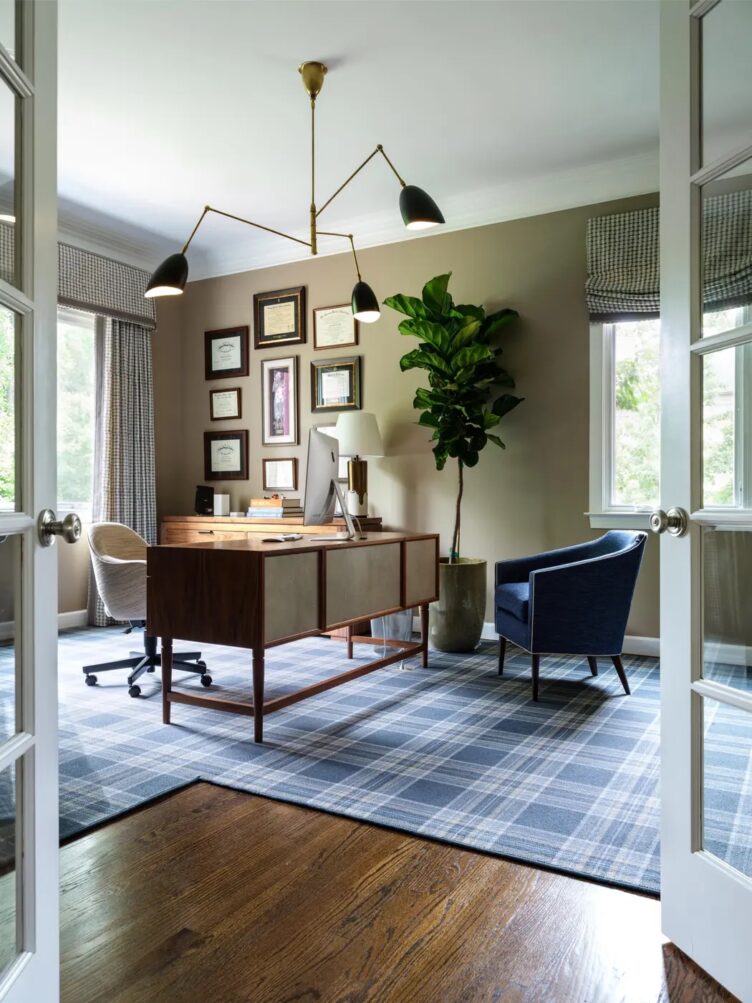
{"type": "Point", "coordinates": [602, 514]}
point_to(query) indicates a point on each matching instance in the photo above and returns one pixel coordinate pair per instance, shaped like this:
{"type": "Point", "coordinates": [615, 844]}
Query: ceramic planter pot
{"type": "Point", "coordinates": [456, 620]}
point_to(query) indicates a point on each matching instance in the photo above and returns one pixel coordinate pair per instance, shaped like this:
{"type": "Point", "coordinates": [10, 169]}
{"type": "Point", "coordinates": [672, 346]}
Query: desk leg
{"type": "Point", "coordinates": [350, 641]}
{"type": "Point", "coordinates": [424, 635]}
{"type": "Point", "coordinates": [258, 695]}
{"type": "Point", "coordinates": [166, 678]}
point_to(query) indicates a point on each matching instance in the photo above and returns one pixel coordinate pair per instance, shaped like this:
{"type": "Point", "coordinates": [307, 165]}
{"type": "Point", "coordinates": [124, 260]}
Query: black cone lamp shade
{"type": "Point", "coordinates": [365, 306]}
{"type": "Point", "coordinates": [419, 211]}
{"type": "Point", "coordinates": [170, 277]}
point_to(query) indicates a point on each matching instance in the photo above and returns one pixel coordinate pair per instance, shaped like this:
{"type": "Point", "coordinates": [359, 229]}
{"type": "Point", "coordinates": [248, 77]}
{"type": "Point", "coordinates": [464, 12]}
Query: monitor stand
{"type": "Point", "coordinates": [348, 534]}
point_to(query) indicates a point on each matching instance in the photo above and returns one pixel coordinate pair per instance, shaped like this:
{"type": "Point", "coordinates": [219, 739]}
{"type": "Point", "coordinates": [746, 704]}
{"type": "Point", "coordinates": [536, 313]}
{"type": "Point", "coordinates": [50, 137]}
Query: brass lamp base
{"type": "Point", "coordinates": [357, 484]}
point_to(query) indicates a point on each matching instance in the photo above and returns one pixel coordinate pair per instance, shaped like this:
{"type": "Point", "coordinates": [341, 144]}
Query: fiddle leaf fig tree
{"type": "Point", "coordinates": [462, 402]}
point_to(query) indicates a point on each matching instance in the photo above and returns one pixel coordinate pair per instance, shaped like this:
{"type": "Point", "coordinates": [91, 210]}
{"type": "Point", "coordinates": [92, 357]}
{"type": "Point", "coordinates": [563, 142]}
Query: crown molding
{"type": "Point", "coordinates": [589, 185]}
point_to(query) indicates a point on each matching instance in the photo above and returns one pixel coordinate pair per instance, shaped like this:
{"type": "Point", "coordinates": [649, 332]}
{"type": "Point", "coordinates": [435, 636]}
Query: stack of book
{"type": "Point", "coordinates": [276, 507]}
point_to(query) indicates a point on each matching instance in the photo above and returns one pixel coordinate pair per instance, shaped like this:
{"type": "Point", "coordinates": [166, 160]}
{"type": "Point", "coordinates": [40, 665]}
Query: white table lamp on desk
{"type": "Point", "coordinates": [358, 435]}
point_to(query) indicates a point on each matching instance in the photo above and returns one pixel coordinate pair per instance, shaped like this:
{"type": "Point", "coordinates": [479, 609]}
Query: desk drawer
{"type": "Point", "coordinates": [178, 535]}
{"type": "Point", "coordinates": [361, 582]}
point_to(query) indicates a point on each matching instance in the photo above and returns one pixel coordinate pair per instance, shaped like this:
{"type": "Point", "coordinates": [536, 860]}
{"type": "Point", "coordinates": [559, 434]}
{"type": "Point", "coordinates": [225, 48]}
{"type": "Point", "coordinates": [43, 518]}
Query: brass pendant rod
{"type": "Point", "coordinates": [347, 236]}
{"type": "Point", "coordinates": [397, 175]}
{"type": "Point", "coordinates": [241, 219]}
{"type": "Point", "coordinates": [312, 212]}
{"type": "Point", "coordinates": [346, 183]}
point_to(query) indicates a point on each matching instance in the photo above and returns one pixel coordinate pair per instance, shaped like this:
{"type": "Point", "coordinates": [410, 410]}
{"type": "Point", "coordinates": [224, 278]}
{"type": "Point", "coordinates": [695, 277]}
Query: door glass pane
{"type": "Point", "coordinates": [10, 371]}
{"type": "Point", "coordinates": [9, 906]}
{"type": "Point", "coordinates": [10, 577]}
{"type": "Point", "coordinates": [8, 26]}
{"type": "Point", "coordinates": [727, 250]}
{"type": "Point", "coordinates": [719, 423]}
{"type": "Point", "coordinates": [727, 607]}
{"type": "Point", "coordinates": [726, 79]}
{"type": "Point", "coordinates": [8, 200]}
{"type": "Point", "coordinates": [727, 784]}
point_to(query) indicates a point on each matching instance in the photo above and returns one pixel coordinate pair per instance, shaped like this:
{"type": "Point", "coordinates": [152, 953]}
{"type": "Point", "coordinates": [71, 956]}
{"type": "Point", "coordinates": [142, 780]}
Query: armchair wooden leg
{"type": "Point", "coordinates": [593, 663]}
{"type": "Point", "coordinates": [536, 675]}
{"type": "Point", "coordinates": [502, 653]}
{"type": "Point", "coordinates": [616, 659]}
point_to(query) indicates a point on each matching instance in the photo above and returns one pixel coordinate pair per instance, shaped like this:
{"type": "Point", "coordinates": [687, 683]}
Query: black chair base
{"type": "Point", "coordinates": [592, 662]}
{"type": "Point", "coordinates": [188, 661]}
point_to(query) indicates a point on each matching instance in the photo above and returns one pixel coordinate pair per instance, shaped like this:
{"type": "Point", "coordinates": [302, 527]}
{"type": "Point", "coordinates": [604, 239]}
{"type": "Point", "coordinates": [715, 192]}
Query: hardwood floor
{"type": "Point", "coordinates": [215, 896]}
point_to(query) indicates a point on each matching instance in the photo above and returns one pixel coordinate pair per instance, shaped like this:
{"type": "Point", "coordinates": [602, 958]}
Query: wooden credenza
{"type": "Point", "coordinates": [178, 529]}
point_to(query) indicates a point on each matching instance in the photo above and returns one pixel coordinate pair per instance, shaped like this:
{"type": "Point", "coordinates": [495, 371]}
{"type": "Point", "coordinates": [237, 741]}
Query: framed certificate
{"type": "Point", "coordinates": [280, 474]}
{"type": "Point", "coordinates": [334, 327]}
{"type": "Point", "coordinates": [279, 401]}
{"type": "Point", "coordinates": [279, 318]}
{"type": "Point", "coordinates": [336, 384]}
{"type": "Point", "coordinates": [226, 353]}
{"type": "Point", "coordinates": [226, 456]}
{"type": "Point", "coordinates": [224, 404]}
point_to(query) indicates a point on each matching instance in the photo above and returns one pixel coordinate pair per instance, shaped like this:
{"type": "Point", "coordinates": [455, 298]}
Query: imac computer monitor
{"type": "Point", "coordinates": [321, 489]}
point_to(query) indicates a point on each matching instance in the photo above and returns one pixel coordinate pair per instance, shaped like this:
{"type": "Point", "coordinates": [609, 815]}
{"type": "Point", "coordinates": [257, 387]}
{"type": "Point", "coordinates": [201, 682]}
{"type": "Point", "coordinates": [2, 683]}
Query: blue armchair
{"type": "Point", "coordinates": [572, 601]}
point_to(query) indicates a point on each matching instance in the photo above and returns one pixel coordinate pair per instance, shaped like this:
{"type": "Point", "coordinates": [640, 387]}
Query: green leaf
{"type": "Point", "coordinates": [435, 295]}
{"type": "Point", "coordinates": [434, 334]}
{"type": "Point", "coordinates": [506, 403]}
{"type": "Point", "coordinates": [429, 419]}
{"type": "Point", "coordinates": [495, 321]}
{"type": "Point", "coordinates": [409, 305]}
{"type": "Point", "coordinates": [466, 333]}
{"type": "Point", "coordinates": [469, 357]}
{"type": "Point", "coordinates": [468, 310]}
{"type": "Point", "coordinates": [495, 439]}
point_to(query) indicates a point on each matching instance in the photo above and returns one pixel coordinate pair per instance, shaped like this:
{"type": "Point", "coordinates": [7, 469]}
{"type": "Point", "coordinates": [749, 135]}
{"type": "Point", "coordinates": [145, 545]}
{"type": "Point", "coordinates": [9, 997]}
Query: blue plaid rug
{"type": "Point", "coordinates": [452, 752]}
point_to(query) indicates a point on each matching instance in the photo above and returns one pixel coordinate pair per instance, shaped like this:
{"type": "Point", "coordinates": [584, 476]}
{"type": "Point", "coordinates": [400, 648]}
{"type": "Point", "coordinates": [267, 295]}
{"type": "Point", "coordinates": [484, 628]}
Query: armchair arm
{"type": "Point", "coordinates": [519, 569]}
{"type": "Point", "coordinates": [582, 608]}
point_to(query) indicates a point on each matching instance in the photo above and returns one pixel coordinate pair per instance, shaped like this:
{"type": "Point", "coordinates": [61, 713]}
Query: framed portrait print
{"type": "Point", "coordinates": [279, 318]}
{"type": "Point", "coordinates": [226, 456]}
{"type": "Point", "coordinates": [226, 353]}
{"type": "Point", "coordinates": [279, 401]}
{"type": "Point", "coordinates": [336, 384]}
{"type": "Point", "coordinates": [280, 474]}
{"type": "Point", "coordinates": [224, 404]}
{"type": "Point", "coordinates": [334, 327]}
{"type": "Point", "coordinates": [343, 460]}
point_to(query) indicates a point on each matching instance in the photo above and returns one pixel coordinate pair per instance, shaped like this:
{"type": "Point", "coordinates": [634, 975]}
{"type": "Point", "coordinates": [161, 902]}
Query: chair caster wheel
{"type": "Point", "coordinates": [201, 665]}
{"type": "Point", "coordinates": [91, 680]}
{"type": "Point", "coordinates": [134, 691]}
{"type": "Point", "coordinates": [150, 669]}
{"type": "Point", "coordinates": [206, 680]}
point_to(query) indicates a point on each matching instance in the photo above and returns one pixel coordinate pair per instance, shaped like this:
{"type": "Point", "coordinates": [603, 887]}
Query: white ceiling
{"type": "Point", "coordinates": [498, 109]}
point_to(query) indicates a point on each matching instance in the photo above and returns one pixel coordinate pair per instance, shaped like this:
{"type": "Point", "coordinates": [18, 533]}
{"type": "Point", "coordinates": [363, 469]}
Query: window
{"type": "Point", "coordinates": [76, 410]}
{"type": "Point", "coordinates": [625, 419]}
{"type": "Point", "coordinates": [8, 365]}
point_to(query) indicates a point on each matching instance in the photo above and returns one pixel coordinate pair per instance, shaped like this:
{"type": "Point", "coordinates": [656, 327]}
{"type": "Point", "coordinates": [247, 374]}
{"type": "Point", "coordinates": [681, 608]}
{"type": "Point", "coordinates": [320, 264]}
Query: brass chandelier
{"type": "Point", "coordinates": [418, 209]}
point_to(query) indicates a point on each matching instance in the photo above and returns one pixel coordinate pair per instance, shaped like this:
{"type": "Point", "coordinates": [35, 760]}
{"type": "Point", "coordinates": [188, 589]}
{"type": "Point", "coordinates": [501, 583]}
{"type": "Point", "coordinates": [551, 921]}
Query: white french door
{"type": "Point", "coordinates": [706, 478]}
{"type": "Point", "coordinates": [29, 925]}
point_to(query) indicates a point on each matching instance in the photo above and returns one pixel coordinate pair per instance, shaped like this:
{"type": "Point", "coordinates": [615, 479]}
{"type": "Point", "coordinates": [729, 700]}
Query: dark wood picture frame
{"type": "Point", "coordinates": [228, 332]}
{"type": "Point", "coordinates": [351, 362]}
{"type": "Point", "coordinates": [279, 487]}
{"type": "Point", "coordinates": [339, 344]}
{"type": "Point", "coordinates": [262, 301]}
{"type": "Point", "coordinates": [238, 391]}
{"type": "Point", "coordinates": [239, 435]}
{"type": "Point", "coordinates": [293, 438]}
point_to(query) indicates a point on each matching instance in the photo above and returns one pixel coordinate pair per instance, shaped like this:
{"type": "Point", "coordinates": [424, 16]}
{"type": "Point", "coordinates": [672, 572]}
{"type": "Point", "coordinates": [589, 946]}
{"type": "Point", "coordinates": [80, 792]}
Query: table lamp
{"type": "Point", "coordinates": [358, 435]}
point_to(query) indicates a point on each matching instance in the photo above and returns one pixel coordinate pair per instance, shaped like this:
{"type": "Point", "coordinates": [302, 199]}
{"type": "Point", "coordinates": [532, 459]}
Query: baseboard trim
{"type": "Point", "coordinates": [74, 618]}
{"type": "Point", "coordinates": [633, 644]}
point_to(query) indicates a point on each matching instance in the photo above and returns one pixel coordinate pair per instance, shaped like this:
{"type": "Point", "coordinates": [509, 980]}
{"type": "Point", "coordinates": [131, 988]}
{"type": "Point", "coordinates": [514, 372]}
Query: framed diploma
{"type": "Point", "coordinates": [279, 401]}
{"type": "Point", "coordinates": [226, 456]}
{"type": "Point", "coordinates": [226, 353]}
{"type": "Point", "coordinates": [280, 474]}
{"type": "Point", "coordinates": [279, 318]}
{"type": "Point", "coordinates": [334, 327]}
{"type": "Point", "coordinates": [224, 404]}
{"type": "Point", "coordinates": [336, 384]}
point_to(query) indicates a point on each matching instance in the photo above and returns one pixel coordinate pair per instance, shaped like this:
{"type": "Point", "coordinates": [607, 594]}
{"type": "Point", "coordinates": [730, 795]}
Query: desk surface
{"type": "Point", "coordinates": [256, 544]}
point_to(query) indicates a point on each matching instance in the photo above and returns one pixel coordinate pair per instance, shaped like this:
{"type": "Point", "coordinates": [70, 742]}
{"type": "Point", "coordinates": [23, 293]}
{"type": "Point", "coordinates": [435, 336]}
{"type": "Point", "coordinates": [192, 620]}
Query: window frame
{"type": "Point", "coordinates": [83, 511]}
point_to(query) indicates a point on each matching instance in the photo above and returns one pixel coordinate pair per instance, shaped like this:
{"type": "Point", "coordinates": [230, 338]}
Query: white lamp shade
{"type": "Point", "coordinates": [358, 434]}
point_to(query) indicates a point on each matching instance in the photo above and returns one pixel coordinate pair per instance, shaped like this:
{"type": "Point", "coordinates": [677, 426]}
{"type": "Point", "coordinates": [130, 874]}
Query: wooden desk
{"type": "Point", "coordinates": [250, 594]}
{"type": "Point", "coordinates": [197, 528]}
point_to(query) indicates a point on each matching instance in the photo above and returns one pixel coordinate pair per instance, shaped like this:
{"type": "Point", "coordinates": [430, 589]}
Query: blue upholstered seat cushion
{"type": "Point", "coordinates": [514, 598]}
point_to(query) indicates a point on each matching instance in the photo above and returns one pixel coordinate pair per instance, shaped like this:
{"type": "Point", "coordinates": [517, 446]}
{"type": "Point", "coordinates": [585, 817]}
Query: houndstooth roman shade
{"type": "Point", "coordinates": [623, 255]}
{"type": "Point", "coordinates": [91, 282]}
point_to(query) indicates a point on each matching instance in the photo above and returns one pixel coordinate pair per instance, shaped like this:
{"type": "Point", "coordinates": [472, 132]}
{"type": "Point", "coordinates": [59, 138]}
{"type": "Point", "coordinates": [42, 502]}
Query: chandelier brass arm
{"type": "Point", "coordinates": [239, 219]}
{"type": "Point", "coordinates": [379, 149]}
{"type": "Point", "coordinates": [346, 236]}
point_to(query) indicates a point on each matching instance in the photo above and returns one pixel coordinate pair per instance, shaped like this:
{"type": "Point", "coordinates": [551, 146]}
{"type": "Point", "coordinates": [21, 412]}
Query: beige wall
{"type": "Point", "coordinates": [531, 497]}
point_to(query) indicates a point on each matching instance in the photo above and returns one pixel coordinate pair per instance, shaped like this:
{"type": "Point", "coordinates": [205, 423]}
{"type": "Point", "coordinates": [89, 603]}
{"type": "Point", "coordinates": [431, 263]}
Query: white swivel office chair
{"type": "Point", "coordinates": [118, 556]}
